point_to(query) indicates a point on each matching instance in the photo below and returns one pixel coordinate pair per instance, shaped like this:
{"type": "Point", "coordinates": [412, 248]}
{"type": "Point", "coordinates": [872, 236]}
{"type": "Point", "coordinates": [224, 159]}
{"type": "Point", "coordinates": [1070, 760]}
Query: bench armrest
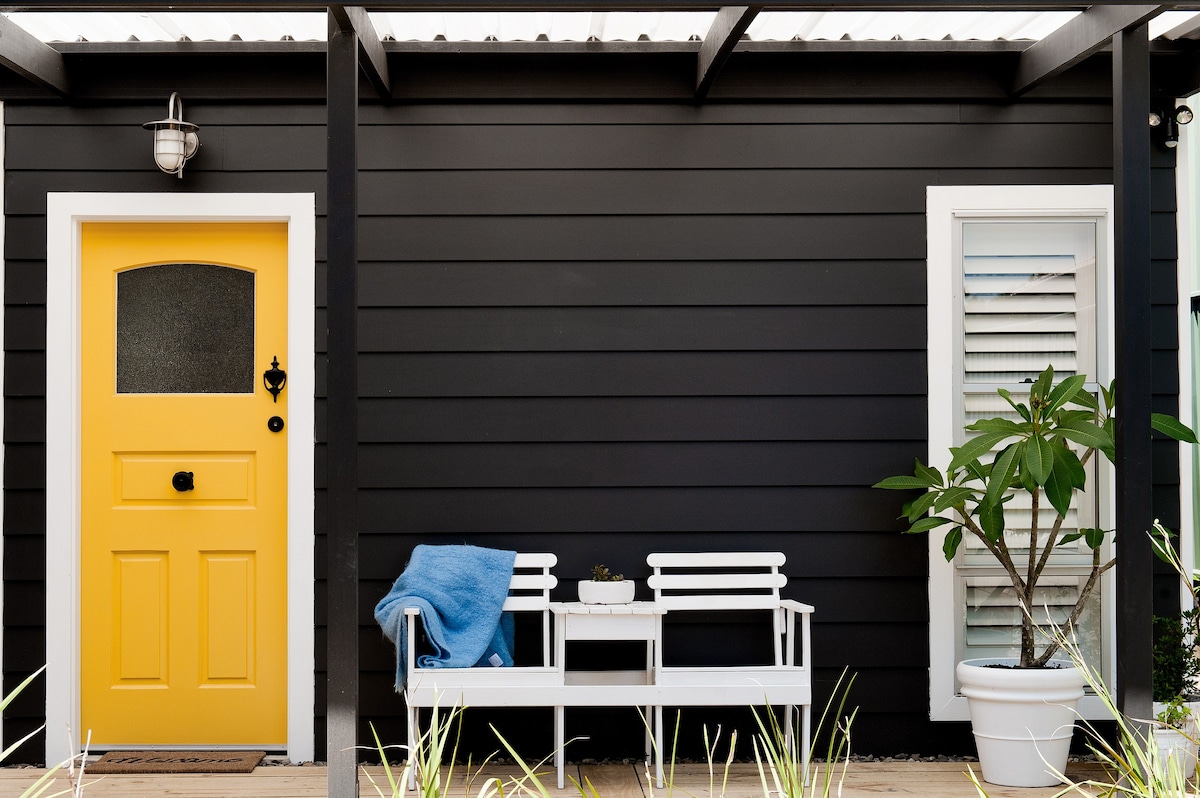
{"type": "Point", "coordinates": [790, 609]}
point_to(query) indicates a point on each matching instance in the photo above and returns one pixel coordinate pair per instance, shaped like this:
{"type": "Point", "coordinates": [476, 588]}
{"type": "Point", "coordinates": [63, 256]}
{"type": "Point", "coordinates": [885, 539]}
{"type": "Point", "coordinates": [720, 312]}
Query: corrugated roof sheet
{"type": "Point", "coordinates": [564, 26]}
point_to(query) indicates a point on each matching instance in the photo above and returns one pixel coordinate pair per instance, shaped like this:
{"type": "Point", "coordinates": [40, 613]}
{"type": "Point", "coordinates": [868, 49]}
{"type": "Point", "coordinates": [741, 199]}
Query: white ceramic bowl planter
{"type": "Point", "coordinates": [1022, 719]}
{"type": "Point", "coordinates": [591, 592]}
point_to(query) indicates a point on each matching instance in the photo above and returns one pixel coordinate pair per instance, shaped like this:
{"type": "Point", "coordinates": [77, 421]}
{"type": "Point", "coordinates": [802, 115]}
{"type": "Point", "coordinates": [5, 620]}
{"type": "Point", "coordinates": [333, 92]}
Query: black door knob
{"type": "Point", "coordinates": [182, 481]}
{"type": "Point", "coordinates": [275, 424]}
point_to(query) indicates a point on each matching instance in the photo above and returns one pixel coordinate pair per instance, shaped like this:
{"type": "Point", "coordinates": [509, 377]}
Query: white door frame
{"type": "Point", "coordinates": [65, 212]}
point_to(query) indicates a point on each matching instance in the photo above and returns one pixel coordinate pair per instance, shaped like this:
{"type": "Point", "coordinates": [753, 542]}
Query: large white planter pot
{"type": "Point", "coordinates": [606, 592]}
{"type": "Point", "coordinates": [1022, 719]}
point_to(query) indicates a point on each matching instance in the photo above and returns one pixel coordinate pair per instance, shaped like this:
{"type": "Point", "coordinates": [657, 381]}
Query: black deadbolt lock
{"type": "Point", "coordinates": [275, 423]}
{"type": "Point", "coordinates": [182, 481]}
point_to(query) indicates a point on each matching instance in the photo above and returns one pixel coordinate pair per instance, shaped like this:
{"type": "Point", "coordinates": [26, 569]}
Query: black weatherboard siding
{"type": "Point", "coordinates": [601, 320]}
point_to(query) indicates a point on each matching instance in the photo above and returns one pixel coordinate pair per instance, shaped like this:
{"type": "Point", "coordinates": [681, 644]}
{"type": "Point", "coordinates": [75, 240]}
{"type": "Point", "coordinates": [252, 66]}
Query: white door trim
{"type": "Point", "coordinates": [65, 213]}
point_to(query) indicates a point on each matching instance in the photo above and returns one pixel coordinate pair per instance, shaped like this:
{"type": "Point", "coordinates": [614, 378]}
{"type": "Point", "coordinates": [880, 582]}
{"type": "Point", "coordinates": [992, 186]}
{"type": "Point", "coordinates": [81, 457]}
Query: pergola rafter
{"type": "Point", "coordinates": [1075, 41]}
{"type": "Point", "coordinates": [39, 63]}
{"type": "Point", "coordinates": [371, 56]}
{"type": "Point", "coordinates": [723, 36]}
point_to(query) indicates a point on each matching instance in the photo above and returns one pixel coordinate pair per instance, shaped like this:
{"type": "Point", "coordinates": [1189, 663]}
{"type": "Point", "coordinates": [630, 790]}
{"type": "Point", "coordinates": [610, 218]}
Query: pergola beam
{"type": "Point", "coordinates": [1075, 41]}
{"type": "Point", "coordinates": [33, 60]}
{"type": "Point", "coordinates": [371, 56]}
{"type": "Point", "coordinates": [723, 35]}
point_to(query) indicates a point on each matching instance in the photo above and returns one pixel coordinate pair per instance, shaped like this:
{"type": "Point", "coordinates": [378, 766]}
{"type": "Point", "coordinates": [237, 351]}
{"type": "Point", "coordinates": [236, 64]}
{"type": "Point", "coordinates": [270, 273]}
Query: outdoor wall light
{"type": "Point", "coordinates": [1170, 123]}
{"type": "Point", "coordinates": [175, 141]}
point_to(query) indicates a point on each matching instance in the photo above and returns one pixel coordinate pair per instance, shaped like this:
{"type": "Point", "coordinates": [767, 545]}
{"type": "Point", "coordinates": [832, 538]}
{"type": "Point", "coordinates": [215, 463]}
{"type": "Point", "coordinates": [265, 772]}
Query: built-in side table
{"type": "Point", "coordinates": [636, 620]}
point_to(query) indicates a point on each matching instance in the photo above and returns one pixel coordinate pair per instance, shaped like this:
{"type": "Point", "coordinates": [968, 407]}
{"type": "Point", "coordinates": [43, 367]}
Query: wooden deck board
{"type": "Point", "coordinates": [863, 780]}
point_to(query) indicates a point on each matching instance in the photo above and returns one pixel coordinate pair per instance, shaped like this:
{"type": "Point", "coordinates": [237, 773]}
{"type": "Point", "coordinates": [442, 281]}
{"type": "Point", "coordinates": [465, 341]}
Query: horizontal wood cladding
{"type": "Point", "coordinates": [637, 418]}
{"type": "Point", "coordinates": [640, 283]}
{"type": "Point", "coordinates": [475, 374]}
{"type": "Point", "coordinates": [584, 517]}
{"type": "Point", "coordinates": [844, 463]}
{"type": "Point", "coordinates": [639, 329]}
{"type": "Point", "coordinates": [601, 328]}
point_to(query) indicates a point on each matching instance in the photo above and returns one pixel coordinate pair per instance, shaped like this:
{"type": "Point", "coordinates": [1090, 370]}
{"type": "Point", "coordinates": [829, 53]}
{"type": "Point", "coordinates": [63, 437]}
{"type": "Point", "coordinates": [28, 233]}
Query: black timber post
{"type": "Point", "coordinates": [1131, 182]}
{"type": "Point", "coordinates": [342, 410]}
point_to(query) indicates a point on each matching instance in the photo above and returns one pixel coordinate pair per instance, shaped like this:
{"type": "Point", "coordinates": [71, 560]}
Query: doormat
{"type": "Point", "coordinates": [176, 762]}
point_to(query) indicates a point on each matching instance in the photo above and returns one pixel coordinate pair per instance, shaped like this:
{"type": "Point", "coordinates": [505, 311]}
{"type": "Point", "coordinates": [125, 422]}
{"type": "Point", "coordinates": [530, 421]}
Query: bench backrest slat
{"type": "Point", "coordinates": [717, 580]}
{"type": "Point", "coordinates": [717, 559]}
{"type": "Point", "coordinates": [531, 583]}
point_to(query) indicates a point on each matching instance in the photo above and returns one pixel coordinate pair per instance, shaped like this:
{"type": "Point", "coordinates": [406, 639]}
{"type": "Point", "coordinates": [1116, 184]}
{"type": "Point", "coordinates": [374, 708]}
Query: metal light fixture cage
{"type": "Point", "coordinates": [175, 141]}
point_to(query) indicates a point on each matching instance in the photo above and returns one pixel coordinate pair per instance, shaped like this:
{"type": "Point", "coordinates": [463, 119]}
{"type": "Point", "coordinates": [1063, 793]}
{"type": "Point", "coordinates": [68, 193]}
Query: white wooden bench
{"type": "Point", "coordinates": [518, 686]}
{"type": "Point", "coordinates": [735, 582]}
{"type": "Point", "coordinates": [710, 582]}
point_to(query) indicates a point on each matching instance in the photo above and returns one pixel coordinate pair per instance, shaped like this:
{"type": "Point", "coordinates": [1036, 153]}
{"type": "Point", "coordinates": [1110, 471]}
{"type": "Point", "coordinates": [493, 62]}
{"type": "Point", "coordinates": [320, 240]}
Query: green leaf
{"type": "Point", "coordinates": [1064, 392]}
{"type": "Point", "coordinates": [1085, 398]}
{"type": "Point", "coordinates": [1110, 396]}
{"type": "Point", "coordinates": [929, 473]}
{"type": "Point", "coordinates": [1003, 469]}
{"type": "Point", "coordinates": [999, 425]}
{"type": "Point", "coordinates": [1060, 487]}
{"type": "Point", "coordinates": [975, 448]}
{"type": "Point", "coordinates": [977, 470]}
{"type": "Point", "coordinates": [1020, 408]}
{"type": "Point", "coordinates": [1041, 386]}
{"type": "Point", "coordinates": [1093, 537]}
{"type": "Point", "coordinates": [991, 520]}
{"type": "Point", "coordinates": [902, 483]}
{"type": "Point", "coordinates": [1065, 457]}
{"type": "Point", "coordinates": [919, 506]}
{"type": "Point", "coordinates": [927, 523]}
{"type": "Point", "coordinates": [1038, 459]}
{"type": "Point", "coordinates": [952, 497]}
{"type": "Point", "coordinates": [1160, 548]}
{"type": "Point", "coordinates": [1085, 433]}
{"type": "Point", "coordinates": [950, 544]}
{"type": "Point", "coordinates": [1173, 427]}
{"type": "Point", "coordinates": [1071, 538]}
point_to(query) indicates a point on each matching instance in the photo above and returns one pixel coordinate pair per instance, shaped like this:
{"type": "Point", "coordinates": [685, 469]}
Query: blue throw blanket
{"type": "Point", "coordinates": [460, 591]}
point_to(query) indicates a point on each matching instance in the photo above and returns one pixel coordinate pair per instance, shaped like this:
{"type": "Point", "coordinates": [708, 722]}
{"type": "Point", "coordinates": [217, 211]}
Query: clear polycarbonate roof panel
{"type": "Point", "coordinates": [565, 26]}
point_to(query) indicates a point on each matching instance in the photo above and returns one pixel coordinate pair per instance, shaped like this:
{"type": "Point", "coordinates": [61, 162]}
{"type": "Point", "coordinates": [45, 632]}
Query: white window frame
{"type": "Point", "coordinates": [1187, 188]}
{"type": "Point", "coordinates": [945, 207]}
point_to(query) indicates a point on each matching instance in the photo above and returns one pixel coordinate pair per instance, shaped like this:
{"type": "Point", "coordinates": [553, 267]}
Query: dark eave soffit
{"type": "Point", "coordinates": [1075, 41]}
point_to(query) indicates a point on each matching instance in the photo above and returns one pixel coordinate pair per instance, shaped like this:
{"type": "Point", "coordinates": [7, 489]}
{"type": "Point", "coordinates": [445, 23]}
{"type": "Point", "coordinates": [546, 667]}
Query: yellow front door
{"type": "Point", "coordinates": [184, 472]}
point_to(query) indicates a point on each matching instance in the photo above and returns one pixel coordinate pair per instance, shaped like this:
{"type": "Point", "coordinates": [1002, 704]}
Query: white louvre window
{"type": "Point", "coordinates": [1018, 280]}
{"type": "Point", "coordinates": [1028, 302]}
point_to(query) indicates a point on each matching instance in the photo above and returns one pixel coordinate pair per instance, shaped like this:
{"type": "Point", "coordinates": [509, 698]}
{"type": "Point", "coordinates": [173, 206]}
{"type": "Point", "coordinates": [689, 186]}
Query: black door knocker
{"type": "Point", "coordinates": [274, 379]}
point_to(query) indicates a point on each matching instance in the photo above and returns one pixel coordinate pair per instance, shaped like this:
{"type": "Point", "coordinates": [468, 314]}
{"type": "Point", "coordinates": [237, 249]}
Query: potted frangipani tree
{"type": "Point", "coordinates": [1041, 451]}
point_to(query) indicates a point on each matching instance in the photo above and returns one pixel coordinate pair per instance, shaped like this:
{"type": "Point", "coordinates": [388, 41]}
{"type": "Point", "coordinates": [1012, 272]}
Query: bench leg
{"type": "Point", "coordinates": [559, 744]}
{"type": "Point", "coordinates": [658, 747]}
{"type": "Point", "coordinates": [413, 717]}
{"type": "Point", "coordinates": [806, 738]}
